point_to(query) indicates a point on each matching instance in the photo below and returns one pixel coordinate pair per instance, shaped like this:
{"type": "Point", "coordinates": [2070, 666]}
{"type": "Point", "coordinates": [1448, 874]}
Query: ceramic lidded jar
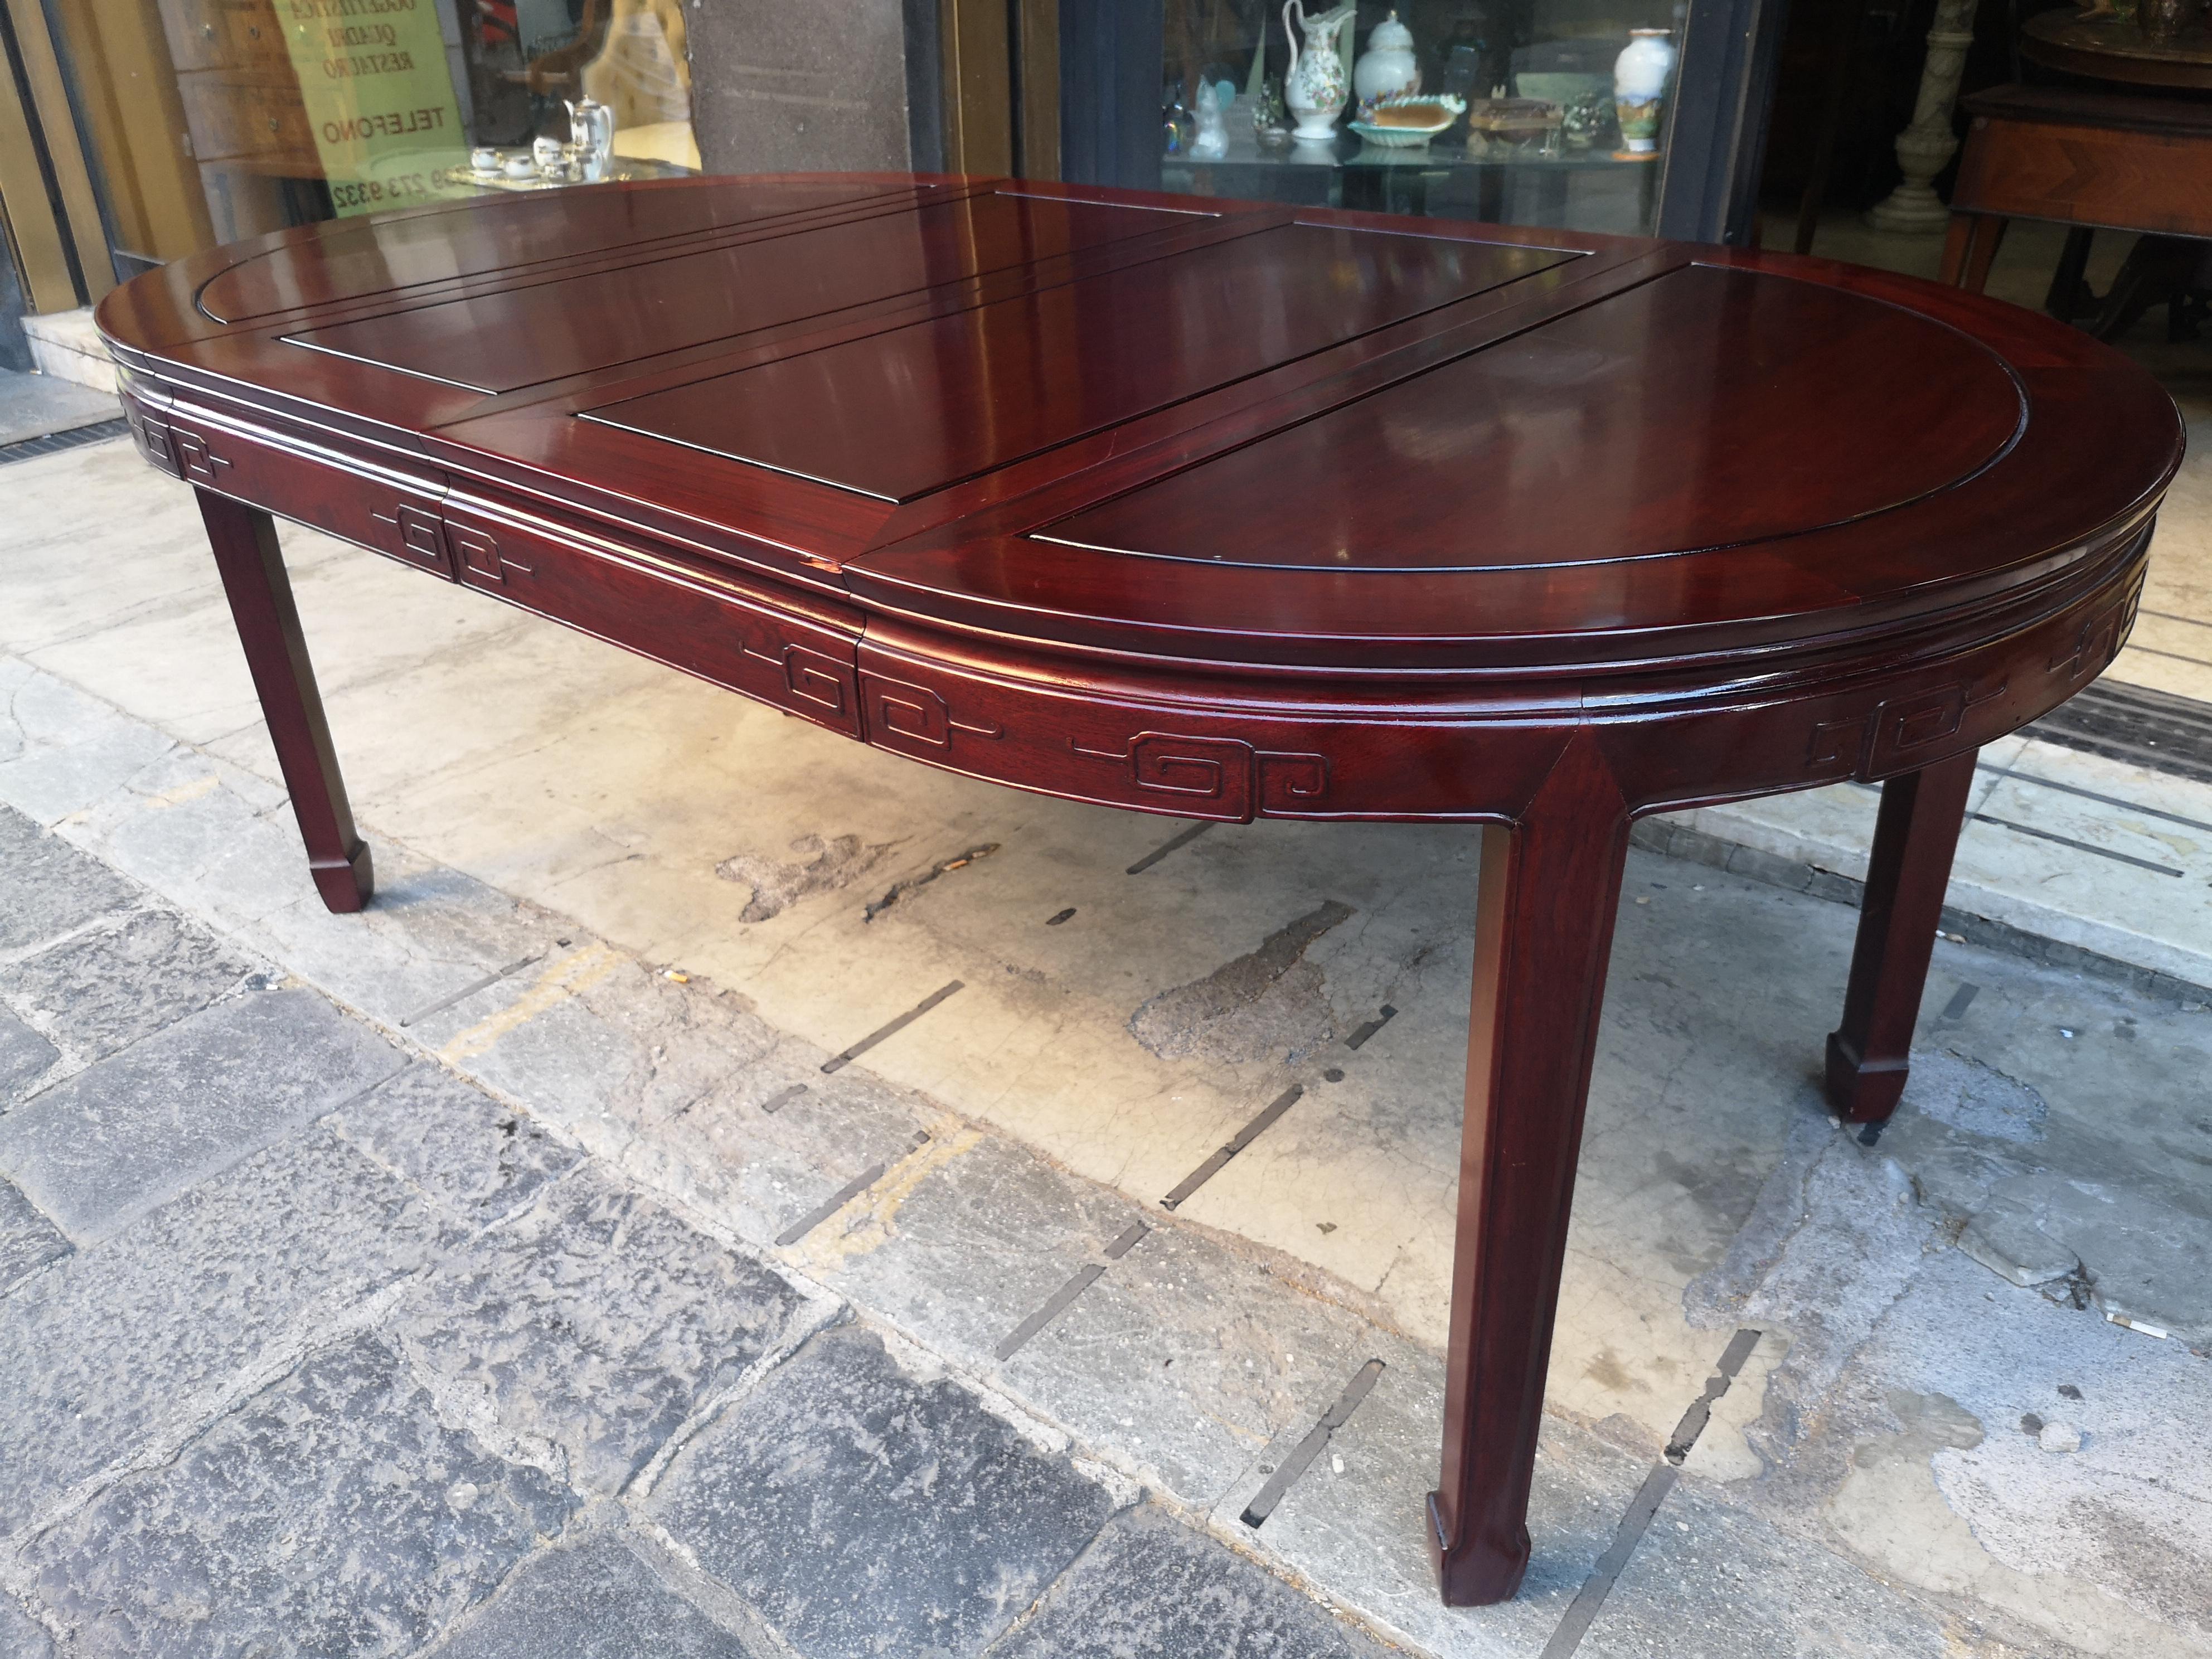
{"type": "Point", "coordinates": [1388, 65]}
{"type": "Point", "coordinates": [1640, 76]}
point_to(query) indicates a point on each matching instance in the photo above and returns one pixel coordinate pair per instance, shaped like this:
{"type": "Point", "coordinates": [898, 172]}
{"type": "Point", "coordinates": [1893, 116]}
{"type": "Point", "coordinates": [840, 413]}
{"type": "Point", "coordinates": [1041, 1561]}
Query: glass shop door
{"type": "Point", "coordinates": [1639, 117]}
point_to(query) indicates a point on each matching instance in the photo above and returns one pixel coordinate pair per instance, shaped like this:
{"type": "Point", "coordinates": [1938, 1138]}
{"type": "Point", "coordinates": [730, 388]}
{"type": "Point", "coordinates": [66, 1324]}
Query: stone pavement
{"type": "Point", "coordinates": [307, 1346]}
{"type": "Point", "coordinates": [647, 925]}
{"type": "Point", "coordinates": [444, 1280]}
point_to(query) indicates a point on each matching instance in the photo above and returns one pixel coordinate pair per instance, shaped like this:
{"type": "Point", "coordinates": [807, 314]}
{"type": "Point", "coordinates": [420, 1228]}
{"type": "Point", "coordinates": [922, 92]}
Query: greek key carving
{"type": "Point", "coordinates": [1883, 739]}
{"type": "Point", "coordinates": [2101, 635]}
{"type": "Point", "coordinates": [483, 555]}
{"type": "Point", "coordinates": [1217, 770]}
{"type": "Point", "coordinates": [812, 677]}
{"type": "Point", "coordinates": [153, 437]}
{"type": "Point", "coordinates": [195, 460]}
{"type": "Point", "coordinates": [915, 715]}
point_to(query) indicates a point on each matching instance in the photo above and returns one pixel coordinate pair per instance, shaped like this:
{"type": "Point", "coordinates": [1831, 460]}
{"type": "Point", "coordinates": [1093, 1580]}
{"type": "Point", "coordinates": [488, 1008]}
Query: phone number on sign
{"type": "Point", "coordinates": [366, 193]}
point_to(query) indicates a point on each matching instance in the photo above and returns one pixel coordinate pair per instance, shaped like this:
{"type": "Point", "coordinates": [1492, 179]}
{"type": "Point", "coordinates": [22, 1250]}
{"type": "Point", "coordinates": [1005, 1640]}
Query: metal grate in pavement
{"type": "Point", "coordinates": [2133, 723]}
{"type": "Point", "coordinates": [53, 443]}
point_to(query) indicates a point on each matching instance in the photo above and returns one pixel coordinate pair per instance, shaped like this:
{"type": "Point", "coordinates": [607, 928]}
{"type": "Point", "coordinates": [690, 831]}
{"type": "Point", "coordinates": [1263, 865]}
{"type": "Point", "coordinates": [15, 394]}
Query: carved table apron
{"type": "Point", "coordinates": [1222, 511]}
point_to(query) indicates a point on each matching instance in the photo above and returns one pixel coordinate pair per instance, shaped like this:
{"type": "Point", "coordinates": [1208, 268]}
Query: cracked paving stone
{"type": "Point", "coordinates": [111, 1143]}
{"type": "Point", "coordinates": [24, 1057]}
{"type": "Point", "coordinates": [28, 1240]}
{"type": "Point", "coordinates": [477, 1157]}
{"type": "Point", "coordinates": [108, 986]}
{"type": "Point", "coordinates": [128, 1340]}
{"type": "Point", "coordinates": [50, 887]}
{"type": "Point", "coordinates": [595, 1599]}
{"type": "Point", "coordinates": [19, 1635]}
{"type": "Point", "coordinates": [590, 1326]}
{"type": "Point", "coordinates": [865, 1511]}
{"type": "Point", "coordinates": [1151, 1585]}
{"type": "Point", "coordinates": [333, 1513]}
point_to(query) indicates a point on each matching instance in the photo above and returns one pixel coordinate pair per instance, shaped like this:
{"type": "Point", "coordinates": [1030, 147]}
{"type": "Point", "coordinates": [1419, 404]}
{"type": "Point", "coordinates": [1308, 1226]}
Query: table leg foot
{"type": "Point", "coordinates": [1476, 1572]}
{"type": "Point", "coordinates": [1915, 838]}
{"type": "Point", "coordinates": [346, 885]}
{"type": "Point", "coordinates": [1550, 885]}
{"type": "Point", "coordinates": [244, 541]}
{"type": "Point", "coordinates": [1862, 1091]}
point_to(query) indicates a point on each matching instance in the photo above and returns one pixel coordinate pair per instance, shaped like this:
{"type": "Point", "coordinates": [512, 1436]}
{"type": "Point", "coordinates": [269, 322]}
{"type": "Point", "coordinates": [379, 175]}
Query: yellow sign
{"type": "Point", "coordinates": [379, 96]}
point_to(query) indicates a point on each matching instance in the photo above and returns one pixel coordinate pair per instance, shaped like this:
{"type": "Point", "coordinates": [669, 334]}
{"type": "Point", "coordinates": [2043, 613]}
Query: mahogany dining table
{"type": "Point", "coordinates": [1223, 511]}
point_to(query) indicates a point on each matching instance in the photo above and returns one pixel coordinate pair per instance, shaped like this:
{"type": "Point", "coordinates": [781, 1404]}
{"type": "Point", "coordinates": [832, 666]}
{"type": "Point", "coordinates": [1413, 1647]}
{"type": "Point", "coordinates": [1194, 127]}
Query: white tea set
{"type": "Point", "coordinates": [586, 158]}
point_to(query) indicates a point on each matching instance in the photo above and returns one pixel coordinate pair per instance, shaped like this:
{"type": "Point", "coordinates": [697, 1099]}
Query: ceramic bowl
{"type": "Point", "coordinates": [1435, 113]}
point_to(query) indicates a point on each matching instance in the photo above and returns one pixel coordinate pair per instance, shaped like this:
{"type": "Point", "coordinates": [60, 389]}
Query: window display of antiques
{"type": "Point", "coordinates": [1499, 83]}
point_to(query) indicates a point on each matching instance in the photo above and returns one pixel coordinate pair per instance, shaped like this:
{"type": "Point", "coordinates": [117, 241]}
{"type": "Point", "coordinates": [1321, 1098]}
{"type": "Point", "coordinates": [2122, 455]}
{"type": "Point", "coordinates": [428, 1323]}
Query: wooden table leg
{"type": "Point", "coordinates": [1550, 885]}
{"type": "Point", "coordinates": [1970, 248]}
{"type": "Point", "coordinates": [1915, 836]}
{"type": "Point", "coordinates": [260, 593]}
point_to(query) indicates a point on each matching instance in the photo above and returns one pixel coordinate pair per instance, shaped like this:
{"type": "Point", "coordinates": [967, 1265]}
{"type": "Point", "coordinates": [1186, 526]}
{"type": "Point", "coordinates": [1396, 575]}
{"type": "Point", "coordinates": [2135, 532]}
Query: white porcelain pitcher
{"type": "Point", "coordinates": [1314, 90]}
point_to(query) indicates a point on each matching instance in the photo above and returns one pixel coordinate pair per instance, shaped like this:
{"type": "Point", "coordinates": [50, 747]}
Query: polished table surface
{"type": "Point", "coordinates": [2109, 48]}
{"type": "Point", "coordinates": [1223, 511]}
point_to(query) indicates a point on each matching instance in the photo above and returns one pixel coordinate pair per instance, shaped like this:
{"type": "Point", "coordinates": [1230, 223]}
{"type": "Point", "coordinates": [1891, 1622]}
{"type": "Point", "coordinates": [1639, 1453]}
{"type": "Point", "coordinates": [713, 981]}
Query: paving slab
{"type": "Point", "coordinates": [1708, 1581]}
{"type": "Point", "coordinates": [333, 1513]}
{"type": "Point", "coordinates": [51, 888]}
{"type": "Point", "coordinates": [109, 1144]}
{"type": "Point", "coordinates": [120, 1344]}
{"type": "Point", "coordinates": [2148, 1263]}
{"type": "Point", "coordinates": [208, 835]}
{"type": "Point", "coordinates": [24, 1057]}
{"type": "Point", "coordinates": [597, 1042]}
{"type": "Point", "coordinates": [962, 1241]}
{"type": "Point", "coordinates": [1191, 1359]}
{"type": "Point", "coordinates": [69, 750]}
{"type": "Point", "coordinates": [1355, 1523]}
{"type": "Point", "coordinates": [475, 1156]}
{"type": "Point", "coordinates": [1151, 1585]}
{"type": "Point", "coordinates": [1931, 1466]}
{"type": "Point", "coordinates": [776, 1140]}
{"type": "Point", "coordinates": [432, 933]}
{"type": "Point", "coordinates": [679, 1084]}
{"type": "Point", "coordinates": [595, 1599]}
{"type": "Point", "coordinates": [865, 1510]}
{"type": "Point", "coordinates": [21, 1637]}
{"type": "Point", "coordinates": [106, 987]}
{"type": "Point", "coordinates": [587, 1329]}
{"type": "Point", "coordinates": [28, 1240]}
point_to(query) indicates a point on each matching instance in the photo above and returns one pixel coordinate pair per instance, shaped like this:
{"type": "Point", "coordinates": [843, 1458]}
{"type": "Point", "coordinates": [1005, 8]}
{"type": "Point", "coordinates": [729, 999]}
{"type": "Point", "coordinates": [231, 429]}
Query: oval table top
{"type": "Point", "coordinates": [1222, 454]}
{"type": "Point", "coordinates": [2111, 48]}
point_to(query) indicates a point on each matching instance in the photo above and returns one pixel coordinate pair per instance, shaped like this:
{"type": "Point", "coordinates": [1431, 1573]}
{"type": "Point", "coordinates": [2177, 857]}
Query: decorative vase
{"type": "Point", "coordinates": [1314, 89]}
{"type": "Point", "coordinates": [1388, 65]}
{"type": "Point", "coordinates": [1640, 76]}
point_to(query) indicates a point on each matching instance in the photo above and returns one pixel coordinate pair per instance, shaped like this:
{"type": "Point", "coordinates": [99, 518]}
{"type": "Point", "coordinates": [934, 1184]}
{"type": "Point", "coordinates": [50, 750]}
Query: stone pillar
{"type": "Point", "coordinates": [1927, 144]}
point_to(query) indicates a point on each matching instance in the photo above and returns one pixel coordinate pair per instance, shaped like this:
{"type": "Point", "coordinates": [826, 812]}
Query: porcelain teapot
{"type": "Point", "coordinates": [591, 130]}
{"type": "Point", "coordinates": [1314, 89]}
